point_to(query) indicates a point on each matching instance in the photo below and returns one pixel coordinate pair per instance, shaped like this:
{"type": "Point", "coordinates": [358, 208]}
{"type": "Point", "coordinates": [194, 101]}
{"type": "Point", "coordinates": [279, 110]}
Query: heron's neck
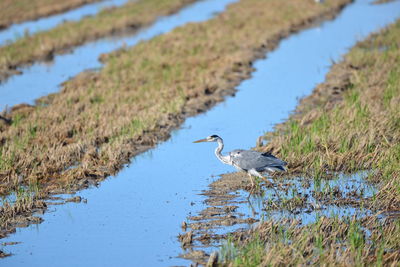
{"type": "Point", "coordinates": [218, 150]}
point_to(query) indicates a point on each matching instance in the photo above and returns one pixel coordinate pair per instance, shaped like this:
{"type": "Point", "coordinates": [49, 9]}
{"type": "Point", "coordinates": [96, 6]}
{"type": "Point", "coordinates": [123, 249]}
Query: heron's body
{"type": "Point", "coordinates": [249, 161]}
{"type": "Point", "coordinates": [246, 160]}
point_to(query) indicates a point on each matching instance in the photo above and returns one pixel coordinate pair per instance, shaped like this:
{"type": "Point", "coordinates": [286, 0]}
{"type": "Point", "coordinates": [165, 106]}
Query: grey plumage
{"type": "Point", "coordinates": [250, 161]}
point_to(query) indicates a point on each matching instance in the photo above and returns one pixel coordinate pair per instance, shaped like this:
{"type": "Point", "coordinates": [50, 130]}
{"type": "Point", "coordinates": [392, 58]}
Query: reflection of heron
{"type": "Point", "coordinates": [250, 161]}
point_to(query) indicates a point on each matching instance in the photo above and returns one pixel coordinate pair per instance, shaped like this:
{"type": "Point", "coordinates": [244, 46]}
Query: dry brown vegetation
{"type": "Point", "coordinates": [382, 1]}
{"type": "Point", "coordinates": [14, 11]}
{"type": "Point", "coordinates": [43, 45]}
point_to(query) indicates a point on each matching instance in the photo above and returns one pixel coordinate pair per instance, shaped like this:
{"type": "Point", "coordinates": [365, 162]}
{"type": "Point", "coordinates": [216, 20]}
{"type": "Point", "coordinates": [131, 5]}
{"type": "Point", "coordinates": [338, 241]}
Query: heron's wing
{"type": "Point", "coordinates": [249, 159]}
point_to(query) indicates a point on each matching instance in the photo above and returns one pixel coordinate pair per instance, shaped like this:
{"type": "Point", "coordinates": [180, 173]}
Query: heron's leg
{"type": "Point", "coordinates": [251, 179]}
{"type": "Point", "coordinates": [256, 173]}
{"type": "Point", "coordinates": [253, 187]}
{"type": "Point", "coordinates": [253, 172]}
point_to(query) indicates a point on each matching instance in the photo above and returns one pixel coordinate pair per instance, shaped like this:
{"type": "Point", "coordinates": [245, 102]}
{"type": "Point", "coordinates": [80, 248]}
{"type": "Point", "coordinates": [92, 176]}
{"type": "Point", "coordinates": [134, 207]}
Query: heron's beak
{"type": "Point", "coordinates": [201, 140]}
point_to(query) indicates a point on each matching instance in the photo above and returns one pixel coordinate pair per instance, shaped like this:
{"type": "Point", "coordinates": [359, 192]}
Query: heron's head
{"type": "Point", "coordinates": [211, 138]}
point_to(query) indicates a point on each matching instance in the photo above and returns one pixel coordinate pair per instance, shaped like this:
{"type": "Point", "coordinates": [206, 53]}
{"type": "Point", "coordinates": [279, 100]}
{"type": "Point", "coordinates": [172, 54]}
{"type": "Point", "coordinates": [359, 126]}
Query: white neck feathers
{"type": "Point", "coordinates": [218, 150]}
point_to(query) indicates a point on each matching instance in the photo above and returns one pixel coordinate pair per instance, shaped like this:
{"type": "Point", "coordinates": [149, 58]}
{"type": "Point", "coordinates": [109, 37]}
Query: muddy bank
{"type": "Point", "coordinates": [18, 11]}
{"type": "Point", "coordinates": [382, 1]}
{"type": "Point", "coordinates": [79, 157]}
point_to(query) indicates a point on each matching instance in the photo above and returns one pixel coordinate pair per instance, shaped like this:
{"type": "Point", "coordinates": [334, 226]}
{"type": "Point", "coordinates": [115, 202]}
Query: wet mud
{"type": "Point", "coordinates": [235, 208]}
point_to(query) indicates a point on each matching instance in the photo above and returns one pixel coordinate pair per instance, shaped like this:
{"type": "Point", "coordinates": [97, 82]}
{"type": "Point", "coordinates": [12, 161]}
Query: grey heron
{"type": "Point", "coordinates": [249, 161]}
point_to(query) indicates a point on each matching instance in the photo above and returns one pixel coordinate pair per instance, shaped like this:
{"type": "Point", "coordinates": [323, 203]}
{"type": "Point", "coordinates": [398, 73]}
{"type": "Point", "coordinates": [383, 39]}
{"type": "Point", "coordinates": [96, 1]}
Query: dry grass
{"type": "Point", "coordinates": [19, 211]}
{"type": "Point", "coordinates": [99, 120]}
{"type": "Point", "coordinates": [43, 45]}
{"type": "Point", "coordinates": [14, 11]}
{"type": "Point", "coordinates": [352, 121]}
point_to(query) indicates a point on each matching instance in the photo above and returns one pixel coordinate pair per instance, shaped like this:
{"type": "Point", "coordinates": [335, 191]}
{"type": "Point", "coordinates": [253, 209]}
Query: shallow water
{"type": "Point", "coordinates": [19, 30]}
{"type": "Point", "coordinates": [30, 86]}
{"type": "Point", "coordinates": [300, 198]}
{"type": "Point", "coordinates": [351, 187]}
{"type": "Point", "coordinates": [134, 218]}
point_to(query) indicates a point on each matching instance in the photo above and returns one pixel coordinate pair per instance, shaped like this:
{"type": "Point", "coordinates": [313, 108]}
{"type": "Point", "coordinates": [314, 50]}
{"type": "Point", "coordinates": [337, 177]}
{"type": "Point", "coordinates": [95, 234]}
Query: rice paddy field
{"type": "Point", "coordinates": [112, 144]}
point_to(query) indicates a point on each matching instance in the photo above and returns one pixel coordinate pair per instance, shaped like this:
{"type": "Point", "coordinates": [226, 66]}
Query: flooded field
{"type": "Point", "coordinates": [231, 208]}
{"type": "Point", "coordinates": [135, 217]}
